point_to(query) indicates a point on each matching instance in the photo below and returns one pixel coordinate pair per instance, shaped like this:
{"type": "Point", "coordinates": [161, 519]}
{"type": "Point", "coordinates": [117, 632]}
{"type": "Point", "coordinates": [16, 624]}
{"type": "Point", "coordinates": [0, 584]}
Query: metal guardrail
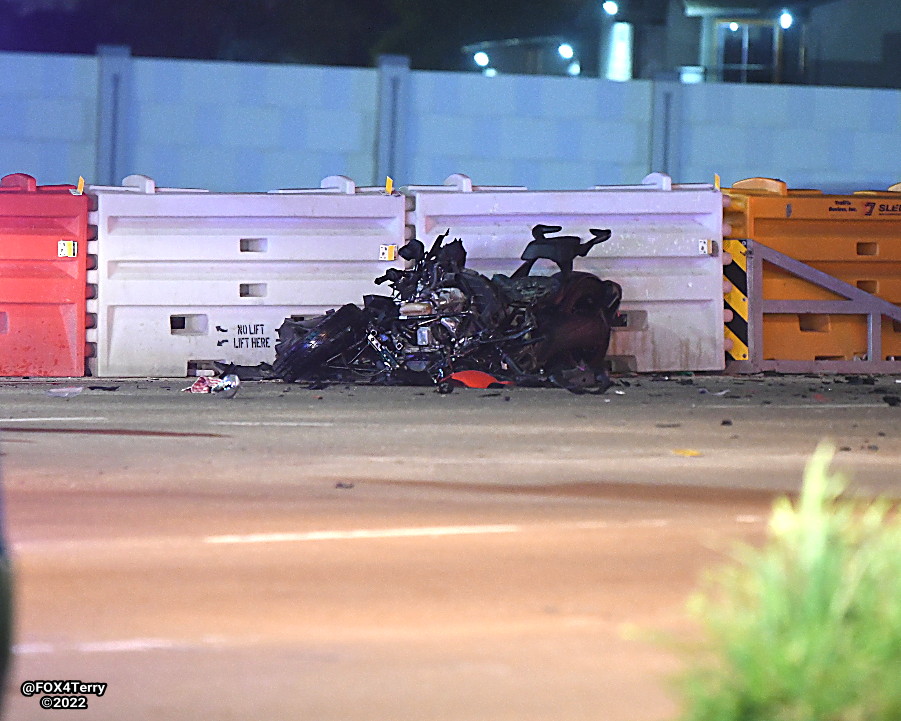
{"type": "Point", "coordinates": [857, 302]}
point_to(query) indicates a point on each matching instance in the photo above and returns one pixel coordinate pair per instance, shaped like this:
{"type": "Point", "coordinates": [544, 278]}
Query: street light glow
{"type": "Point", "coordinates": [619, 62]}
{"type": "Point", "coordinates": [733, 27]}
{"type": "Point", "coordinates": [610, 7]}
{"type": "Point", "coordinates": [566, 51]}
{"type": "Point", "coordinates": [481, 59]}
{"type": "Point", "coordinates": [786, 20]}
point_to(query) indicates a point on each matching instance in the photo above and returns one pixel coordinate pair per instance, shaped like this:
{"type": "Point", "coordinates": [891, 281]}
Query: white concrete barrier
{"type": "Point", "coordinates": [188, 277]}
{"type": "Point", "coordinates": [665, 253]}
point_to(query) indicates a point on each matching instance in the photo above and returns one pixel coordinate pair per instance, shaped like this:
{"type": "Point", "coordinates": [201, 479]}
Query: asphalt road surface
{"type": "Point", "coordinates": [368, 554]}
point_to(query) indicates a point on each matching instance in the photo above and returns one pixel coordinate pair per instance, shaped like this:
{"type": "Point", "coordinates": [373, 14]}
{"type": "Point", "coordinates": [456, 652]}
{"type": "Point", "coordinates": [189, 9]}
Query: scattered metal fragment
{"type": "Point", "coordinates": [65, 392]}
{"type": "Point", "coordinates": [227, 387]}
{"type": "Point", "coordinates": [261, 372]}
{"type": "Point", "coordinates": [860, 380]}
{"type": "Point", "coordinates": [201, 385]}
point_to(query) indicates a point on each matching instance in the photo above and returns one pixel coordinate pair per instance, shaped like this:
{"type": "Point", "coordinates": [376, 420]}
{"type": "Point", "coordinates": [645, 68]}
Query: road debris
{"type": "Point", "coordinates": [860, 380]}
{"type": "Point", "coordinates": [227, 387]}
{"type": "Point", "coordinates": [201, 385]}
{"type": "Point", "coordinates": [224, 387]}
{"type": "Point", "coordinates": [261, 372]}
{"type": "Point", "coordinates": [476, 379]}
{"type": "Point", "coordinates": [65, 392]}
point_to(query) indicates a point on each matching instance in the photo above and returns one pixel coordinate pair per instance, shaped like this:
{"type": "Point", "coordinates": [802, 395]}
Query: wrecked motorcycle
{"type": "Point", "coordinates": [443, 318]}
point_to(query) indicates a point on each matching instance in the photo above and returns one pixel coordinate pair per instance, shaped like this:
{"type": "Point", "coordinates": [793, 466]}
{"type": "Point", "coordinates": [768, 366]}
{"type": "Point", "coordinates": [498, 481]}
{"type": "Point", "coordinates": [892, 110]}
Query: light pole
{"type": "Point", "coordinates": [609, 10]}
{"type": "Point", "coordinates": [615, 44]}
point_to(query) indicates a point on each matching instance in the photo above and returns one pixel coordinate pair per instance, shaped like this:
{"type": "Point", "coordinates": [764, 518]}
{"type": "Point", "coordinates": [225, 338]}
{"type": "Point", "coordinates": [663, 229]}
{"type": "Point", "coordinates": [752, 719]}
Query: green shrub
{"type": "Point", "coordinates": [807, 628]}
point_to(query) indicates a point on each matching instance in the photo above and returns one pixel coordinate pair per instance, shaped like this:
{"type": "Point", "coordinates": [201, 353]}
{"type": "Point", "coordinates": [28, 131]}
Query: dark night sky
{"type": "Point", "coordinates": [327, 32]}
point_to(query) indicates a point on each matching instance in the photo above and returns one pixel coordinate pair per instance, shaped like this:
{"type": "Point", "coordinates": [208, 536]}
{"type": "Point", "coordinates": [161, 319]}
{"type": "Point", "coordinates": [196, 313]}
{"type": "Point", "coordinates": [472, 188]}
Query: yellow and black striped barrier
{"type": "Point", "coordinates": [736, 299]}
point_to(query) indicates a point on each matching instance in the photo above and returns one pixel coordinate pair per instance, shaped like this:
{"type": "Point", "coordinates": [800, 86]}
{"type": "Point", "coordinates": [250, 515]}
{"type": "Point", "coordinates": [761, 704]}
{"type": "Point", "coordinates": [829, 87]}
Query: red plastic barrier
{"type": "Point", "coordinates": [43, 261]}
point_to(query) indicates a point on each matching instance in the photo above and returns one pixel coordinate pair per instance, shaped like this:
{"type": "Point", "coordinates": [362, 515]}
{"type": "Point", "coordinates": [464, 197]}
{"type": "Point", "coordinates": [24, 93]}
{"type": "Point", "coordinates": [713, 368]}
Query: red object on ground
{"type": "Point", "coordinates": [43, 286]}
{"type": "Point", "coordinates": [476, 379]}
{"type": "Point", "coordinates": [204, 384]}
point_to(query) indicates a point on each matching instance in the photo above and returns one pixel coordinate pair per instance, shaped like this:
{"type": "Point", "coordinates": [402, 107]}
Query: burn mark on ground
{"type": "Point", "coordinates": [605, 489]}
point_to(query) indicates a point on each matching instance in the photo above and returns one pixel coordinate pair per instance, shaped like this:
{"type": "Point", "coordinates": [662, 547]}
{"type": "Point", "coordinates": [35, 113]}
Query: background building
{"type": "Point", "coordinates": [809, 42]}
{"type": "Point", "coordinates": [805, 42]}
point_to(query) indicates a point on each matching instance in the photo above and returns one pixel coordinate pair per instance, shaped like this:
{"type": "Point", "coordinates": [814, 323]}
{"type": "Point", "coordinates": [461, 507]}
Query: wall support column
{"type": "Point", "coordinates": [114, 111]}
{"type": "Point", "coordinates": [666, 128]}
{"type": "Point", "coordinates": [393, 113]}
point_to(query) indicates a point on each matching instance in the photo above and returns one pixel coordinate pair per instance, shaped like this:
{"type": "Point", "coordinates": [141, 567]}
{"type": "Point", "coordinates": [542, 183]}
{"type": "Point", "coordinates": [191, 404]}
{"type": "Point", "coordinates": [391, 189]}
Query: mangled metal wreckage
{"type": "Point", "coordinates": [445, 324]}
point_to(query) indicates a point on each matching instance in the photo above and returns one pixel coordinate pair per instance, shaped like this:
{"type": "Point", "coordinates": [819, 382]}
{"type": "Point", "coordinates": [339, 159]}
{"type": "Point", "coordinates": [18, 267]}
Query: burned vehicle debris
{"type": "Point", "coordinates": [443, 319]}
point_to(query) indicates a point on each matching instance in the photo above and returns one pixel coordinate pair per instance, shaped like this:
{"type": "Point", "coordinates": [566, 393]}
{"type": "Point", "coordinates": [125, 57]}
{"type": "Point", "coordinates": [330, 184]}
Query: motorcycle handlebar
{"type": "Point", "coordinates": [392, 275]}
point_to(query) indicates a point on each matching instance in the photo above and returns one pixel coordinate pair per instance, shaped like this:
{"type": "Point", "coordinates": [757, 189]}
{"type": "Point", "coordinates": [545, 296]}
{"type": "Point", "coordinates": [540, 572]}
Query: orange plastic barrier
{"type": "Point", "coordinates": [43, 262]}
{"type": "Point", "coordinates": [823, 337]}
{"type": "Point", "coordinates": [854, 238]}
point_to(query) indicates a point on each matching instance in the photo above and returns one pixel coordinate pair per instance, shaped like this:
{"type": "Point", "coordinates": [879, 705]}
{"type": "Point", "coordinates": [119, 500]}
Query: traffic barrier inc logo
{"type": "Point", "coordinates": [63, 694]}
